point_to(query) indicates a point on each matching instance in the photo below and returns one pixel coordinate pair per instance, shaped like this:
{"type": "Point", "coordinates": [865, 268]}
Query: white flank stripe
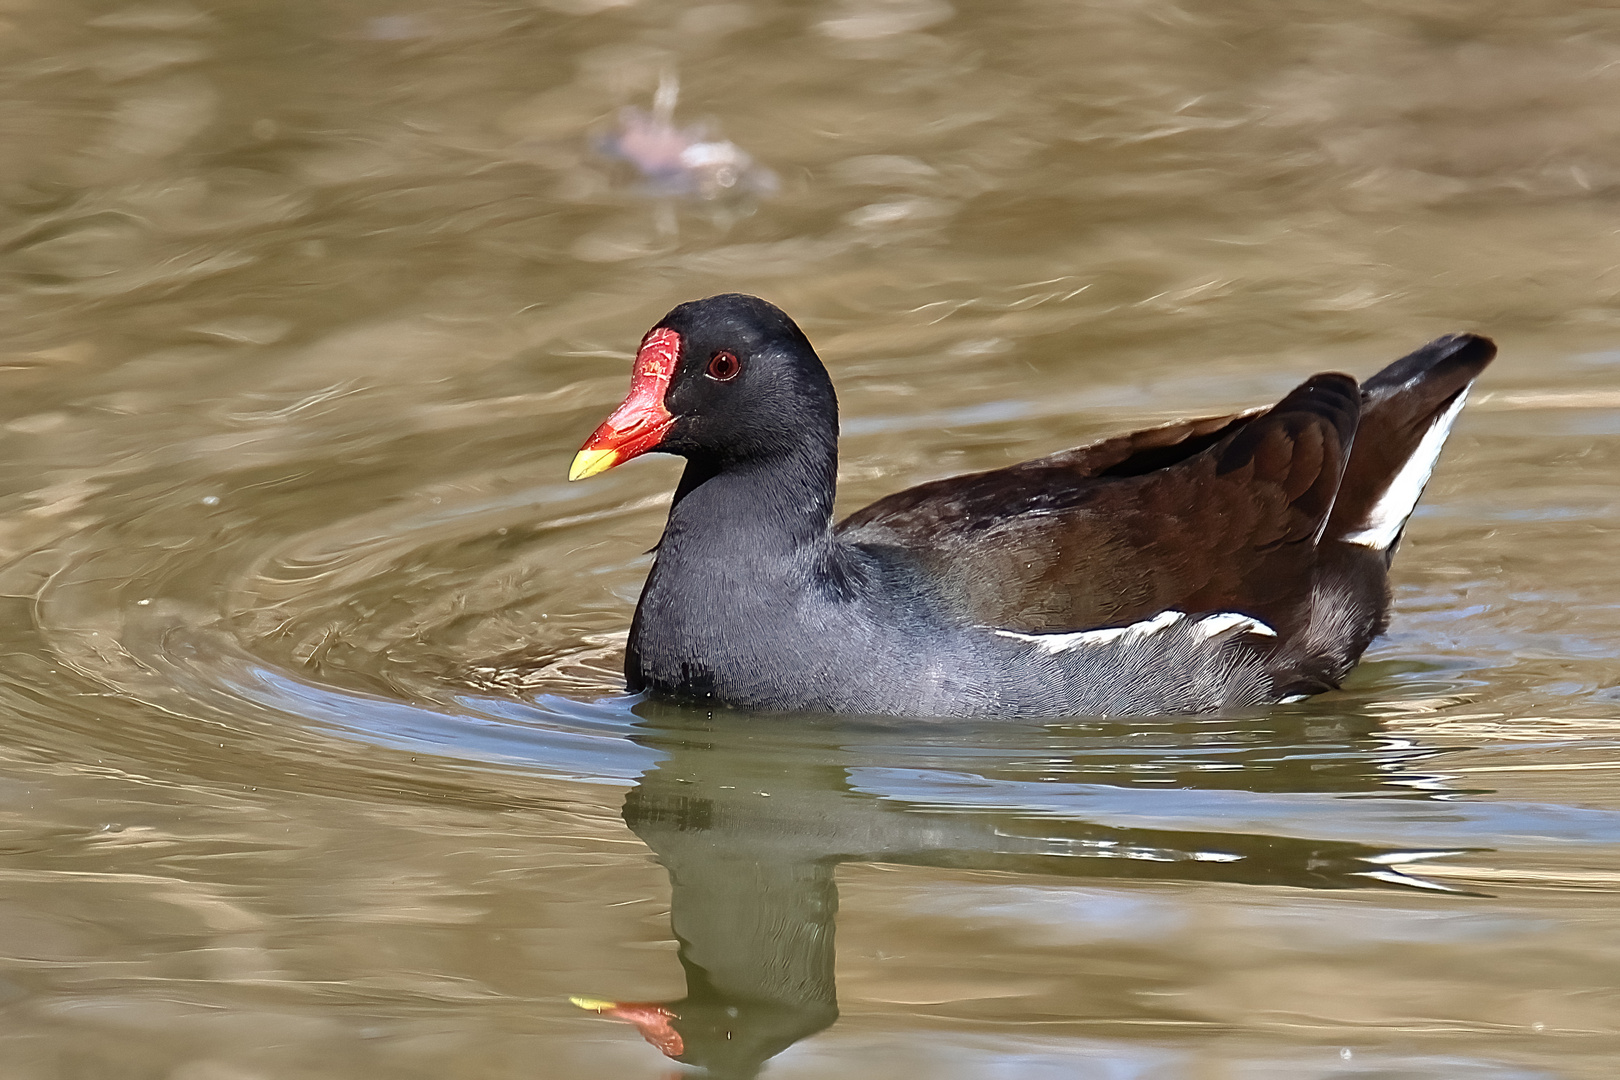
{"type": "Point", "coordinates": [1207, 627]}
{"type": "Point", "coordinates": [1384, 523]}
{"type": "Point", "coordinates": [1210, 625]}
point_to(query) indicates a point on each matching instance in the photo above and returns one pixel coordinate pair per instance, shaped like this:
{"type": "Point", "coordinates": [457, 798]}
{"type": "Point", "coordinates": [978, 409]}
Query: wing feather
{"type": "Point", "coordinates": [1217, 514]}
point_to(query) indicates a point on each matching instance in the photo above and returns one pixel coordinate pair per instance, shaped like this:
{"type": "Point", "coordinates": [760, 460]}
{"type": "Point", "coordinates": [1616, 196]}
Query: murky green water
{"type": "Point", "coordinates": [316, 761]}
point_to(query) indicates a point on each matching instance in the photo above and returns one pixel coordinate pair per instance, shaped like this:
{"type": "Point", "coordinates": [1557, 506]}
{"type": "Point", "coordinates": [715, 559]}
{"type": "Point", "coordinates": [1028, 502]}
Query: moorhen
{"type": "Point", "coordinates": [1203, 565]}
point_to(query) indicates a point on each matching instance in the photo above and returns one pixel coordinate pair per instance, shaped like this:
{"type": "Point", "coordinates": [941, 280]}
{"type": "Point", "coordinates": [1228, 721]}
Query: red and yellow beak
{"type": "Point", "coordinates": [641, 423]}
{"type": "Point", "coordinates": [654, 1021]}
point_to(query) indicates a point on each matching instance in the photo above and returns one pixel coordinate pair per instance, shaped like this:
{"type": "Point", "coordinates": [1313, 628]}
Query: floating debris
{"type": "Point", "coordinates": [687, 162]}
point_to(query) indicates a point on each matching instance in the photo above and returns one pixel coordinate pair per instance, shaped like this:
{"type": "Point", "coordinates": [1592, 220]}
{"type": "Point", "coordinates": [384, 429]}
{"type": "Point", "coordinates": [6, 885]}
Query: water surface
{"type": "Point", "coordinates": [316, 757]}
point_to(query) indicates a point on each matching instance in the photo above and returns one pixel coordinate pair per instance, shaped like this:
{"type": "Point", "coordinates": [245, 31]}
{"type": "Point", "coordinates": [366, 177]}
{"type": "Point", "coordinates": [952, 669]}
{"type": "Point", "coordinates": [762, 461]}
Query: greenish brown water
{"type": "Point", "coordinates": [315, 759]}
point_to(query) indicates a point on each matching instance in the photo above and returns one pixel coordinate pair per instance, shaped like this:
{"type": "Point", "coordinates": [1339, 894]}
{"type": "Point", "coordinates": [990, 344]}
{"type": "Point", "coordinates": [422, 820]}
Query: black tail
{"type": "Point", "coordinates": [1406, 413]}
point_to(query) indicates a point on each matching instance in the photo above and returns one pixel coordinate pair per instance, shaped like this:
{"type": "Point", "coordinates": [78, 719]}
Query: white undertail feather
{"type": "Point", "coordinates": [1395, 877]}
{"type": "Point", "coordinates": [1388, 516]}
{"type": "Point", "coordinates": [1207, 626]}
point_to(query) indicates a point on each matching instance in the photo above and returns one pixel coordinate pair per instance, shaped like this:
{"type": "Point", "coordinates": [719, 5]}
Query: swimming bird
{"type": "Point", "coordinates": [1203, 565]}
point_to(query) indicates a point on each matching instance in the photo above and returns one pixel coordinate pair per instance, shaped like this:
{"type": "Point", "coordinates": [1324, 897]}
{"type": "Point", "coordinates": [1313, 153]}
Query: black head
{"type": "Point", "coordinates": [726, 379]}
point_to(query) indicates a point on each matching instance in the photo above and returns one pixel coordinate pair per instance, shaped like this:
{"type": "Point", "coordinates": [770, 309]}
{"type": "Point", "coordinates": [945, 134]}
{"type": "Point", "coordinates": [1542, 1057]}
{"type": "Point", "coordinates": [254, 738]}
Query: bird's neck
{"type": "Point", "coordinates": [771, 507]}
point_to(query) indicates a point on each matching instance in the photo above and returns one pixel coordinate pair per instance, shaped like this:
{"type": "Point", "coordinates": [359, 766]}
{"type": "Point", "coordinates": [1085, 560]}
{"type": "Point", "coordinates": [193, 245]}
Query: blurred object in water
{"type": "Point", "coordinates": [682, 161]}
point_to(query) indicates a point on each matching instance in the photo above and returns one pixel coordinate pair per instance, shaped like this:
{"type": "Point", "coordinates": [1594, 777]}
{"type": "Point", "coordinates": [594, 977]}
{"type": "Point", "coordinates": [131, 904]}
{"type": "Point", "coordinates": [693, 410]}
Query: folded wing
{"type": "Point", "coordinates": [1219, 514]}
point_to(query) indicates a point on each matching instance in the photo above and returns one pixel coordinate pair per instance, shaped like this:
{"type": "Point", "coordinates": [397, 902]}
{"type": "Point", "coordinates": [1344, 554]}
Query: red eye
{"type": "Point", "coordinates": [723, 367]}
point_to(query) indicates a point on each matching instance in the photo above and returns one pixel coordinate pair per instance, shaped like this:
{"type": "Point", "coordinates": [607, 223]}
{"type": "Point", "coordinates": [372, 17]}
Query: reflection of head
{"type": "Point", "coordinates": [729, 1038]}
{"type": "Point", "coordinates": [651, 1019]}
{"type": "Point", "coordinates": [752, 904]}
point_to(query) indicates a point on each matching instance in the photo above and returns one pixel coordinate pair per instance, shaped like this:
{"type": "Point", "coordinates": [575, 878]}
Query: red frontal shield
{"type": "Point", "coordinates": [639, 424]}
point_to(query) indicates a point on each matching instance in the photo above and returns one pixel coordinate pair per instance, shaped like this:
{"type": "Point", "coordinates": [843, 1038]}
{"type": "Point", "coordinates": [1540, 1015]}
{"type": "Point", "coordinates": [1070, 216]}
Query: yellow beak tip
{"type": "Point", "coordinates": [592, 1004]}
{"type": "Point", "coordinates": [590, 462]}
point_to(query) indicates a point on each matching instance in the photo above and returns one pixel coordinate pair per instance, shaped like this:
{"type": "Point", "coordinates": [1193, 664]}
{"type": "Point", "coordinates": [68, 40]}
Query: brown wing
{"type": "Point", "coordinates": [1220, 514]}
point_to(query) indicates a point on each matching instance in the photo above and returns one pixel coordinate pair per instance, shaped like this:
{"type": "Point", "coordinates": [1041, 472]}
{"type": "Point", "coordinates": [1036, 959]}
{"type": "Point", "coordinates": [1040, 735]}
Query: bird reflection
{"type": "Point", "coordinates": [751, 830]}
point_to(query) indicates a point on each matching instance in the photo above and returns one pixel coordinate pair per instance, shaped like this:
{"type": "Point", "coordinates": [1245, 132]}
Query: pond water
{"type": "Point", "coordinates": [316, 760]}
